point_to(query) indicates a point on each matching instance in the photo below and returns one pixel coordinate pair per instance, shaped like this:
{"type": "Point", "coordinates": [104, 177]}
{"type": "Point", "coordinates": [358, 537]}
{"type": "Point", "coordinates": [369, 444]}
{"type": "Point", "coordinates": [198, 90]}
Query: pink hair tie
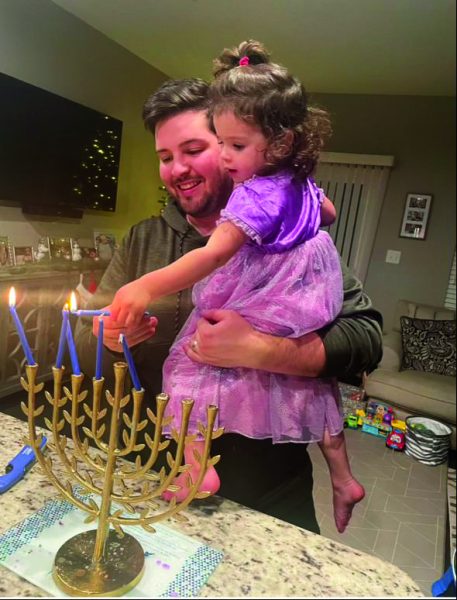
{"type": "Point", "coordinates": [244, 61]}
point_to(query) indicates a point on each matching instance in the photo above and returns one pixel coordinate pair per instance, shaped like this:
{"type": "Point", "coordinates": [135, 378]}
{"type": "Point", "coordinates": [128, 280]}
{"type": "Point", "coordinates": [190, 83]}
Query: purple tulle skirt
{"type": "Point", "coordinates": [288, 295]}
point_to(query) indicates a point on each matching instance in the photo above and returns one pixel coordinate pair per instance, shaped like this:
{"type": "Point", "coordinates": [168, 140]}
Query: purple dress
{"type": "Point", "coordinates": [285, 281]}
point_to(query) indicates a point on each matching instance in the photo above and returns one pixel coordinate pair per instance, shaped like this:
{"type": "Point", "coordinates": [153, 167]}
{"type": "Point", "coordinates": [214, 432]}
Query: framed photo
{"type": "Point", "coordinates": [6, 254]}
{"type": "Point", "coordinates": [416, 216]}
{"type": "Point", "coordinates": [105, 244]}
{"type": "Point", "coordinates": [60, 248]}
{"type": "Point", "coordinates": [43, 251]}
{"type": "Point", "coordinates": [23, 255]}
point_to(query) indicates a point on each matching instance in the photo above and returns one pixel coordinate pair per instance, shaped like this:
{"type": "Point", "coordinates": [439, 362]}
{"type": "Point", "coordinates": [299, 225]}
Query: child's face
{"type": "Point", "coordinates": [242, 146]}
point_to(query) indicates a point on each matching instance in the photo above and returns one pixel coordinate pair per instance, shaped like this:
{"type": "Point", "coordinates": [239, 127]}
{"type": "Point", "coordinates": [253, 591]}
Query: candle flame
{"type": "Point", "coordinates": [73, 303]}
{"type": "Point", "coordinates": [12, 297]}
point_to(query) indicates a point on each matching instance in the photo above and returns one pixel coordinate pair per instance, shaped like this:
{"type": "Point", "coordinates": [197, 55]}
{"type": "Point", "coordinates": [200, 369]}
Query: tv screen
{"type": "Point", "coordinates": [56, 156]}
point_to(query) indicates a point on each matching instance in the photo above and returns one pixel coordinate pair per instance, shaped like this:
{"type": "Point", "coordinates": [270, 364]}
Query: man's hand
{"type": "Point", "coordinates": [129, 303]}
{"type": "Point", "coordinates": [223, 339]}
{"type": "Point", "coordinates": [133, 334]}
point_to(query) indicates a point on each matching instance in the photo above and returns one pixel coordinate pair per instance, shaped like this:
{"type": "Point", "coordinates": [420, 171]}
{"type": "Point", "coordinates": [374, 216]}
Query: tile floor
{"type": "Point", "coordinates": [402, 518]}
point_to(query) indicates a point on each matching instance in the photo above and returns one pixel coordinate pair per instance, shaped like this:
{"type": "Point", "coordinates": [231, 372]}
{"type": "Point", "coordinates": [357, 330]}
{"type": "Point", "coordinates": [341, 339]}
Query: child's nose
{"type": "Point", "coordinates": [225, 156]}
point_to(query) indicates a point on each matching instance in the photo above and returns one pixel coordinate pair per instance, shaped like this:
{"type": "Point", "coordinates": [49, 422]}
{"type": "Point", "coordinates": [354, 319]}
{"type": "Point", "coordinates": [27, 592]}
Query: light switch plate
{"type": "Point", "coordinates": [393, 256]}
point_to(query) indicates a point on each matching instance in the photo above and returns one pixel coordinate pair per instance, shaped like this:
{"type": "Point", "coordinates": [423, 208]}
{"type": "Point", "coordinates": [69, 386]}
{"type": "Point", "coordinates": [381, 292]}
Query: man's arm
{"type": "Point", "coordinates": [345, 348]}
{"type": "Point", "coordinates": [353, 343]}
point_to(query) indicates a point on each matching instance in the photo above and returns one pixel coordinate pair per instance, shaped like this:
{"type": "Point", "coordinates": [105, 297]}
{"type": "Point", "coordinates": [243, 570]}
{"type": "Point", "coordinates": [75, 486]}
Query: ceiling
{"type": "Point", "coordinates": [404, 47]}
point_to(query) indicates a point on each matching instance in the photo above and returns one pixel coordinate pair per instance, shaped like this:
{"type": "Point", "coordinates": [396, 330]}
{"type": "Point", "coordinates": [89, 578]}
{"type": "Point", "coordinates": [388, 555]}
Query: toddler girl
{"type": "Point", "coordinates": [266, 260]}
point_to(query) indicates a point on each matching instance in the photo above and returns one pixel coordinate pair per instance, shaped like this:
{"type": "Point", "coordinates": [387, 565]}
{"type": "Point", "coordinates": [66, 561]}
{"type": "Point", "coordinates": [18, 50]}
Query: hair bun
{"type": "Point", "coordinates": [230, 58]}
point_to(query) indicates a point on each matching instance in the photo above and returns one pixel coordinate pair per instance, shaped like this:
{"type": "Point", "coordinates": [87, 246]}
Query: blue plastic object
{"type": "Point", "coordinates": [444, 586]}
{"type": "Point", "coordinates": [18, 466]}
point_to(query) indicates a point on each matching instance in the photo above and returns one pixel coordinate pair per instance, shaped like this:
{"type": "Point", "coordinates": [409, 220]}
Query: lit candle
{"type": "Point", "coordinates": [71, 342]}
{"type": "Point", "coordinates": [63, 337]}
{"type": "Point", "coordinates": [19, 328]}
{"type": "Point", "coordinates": [98, 364]}
{"type": "Point", "coordinates": [129, 357]}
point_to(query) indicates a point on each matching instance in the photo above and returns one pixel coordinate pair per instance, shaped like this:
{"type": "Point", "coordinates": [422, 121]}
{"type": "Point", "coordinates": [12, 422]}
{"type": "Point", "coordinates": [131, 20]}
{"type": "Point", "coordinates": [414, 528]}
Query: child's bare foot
{"type": "Point", "coordinates": [211, 483]}
{"type": "Point", "coordinates": [345, 497]}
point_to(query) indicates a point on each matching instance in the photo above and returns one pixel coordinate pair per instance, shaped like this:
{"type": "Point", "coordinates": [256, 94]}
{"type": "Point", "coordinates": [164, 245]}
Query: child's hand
{"type": "Point", "coordinates": [134, 334]}
{"type": "Point", "coordinates": [129, 303]}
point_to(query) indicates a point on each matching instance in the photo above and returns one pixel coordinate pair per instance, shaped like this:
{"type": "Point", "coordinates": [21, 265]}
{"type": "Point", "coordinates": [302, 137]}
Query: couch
{"type": "Point", "coordinates": [412, 392]}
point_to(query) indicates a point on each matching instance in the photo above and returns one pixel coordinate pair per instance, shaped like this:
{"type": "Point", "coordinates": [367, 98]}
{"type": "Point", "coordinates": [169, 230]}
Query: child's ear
{"type": "Point", "coordinates": [289, 139]}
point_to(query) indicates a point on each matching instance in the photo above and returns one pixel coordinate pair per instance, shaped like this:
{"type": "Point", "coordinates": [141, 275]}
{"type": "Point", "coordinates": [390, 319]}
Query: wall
{"type": "Point", "coordinates": [420, 133]}
{"type": "Point", "coordinates": [44, 45]}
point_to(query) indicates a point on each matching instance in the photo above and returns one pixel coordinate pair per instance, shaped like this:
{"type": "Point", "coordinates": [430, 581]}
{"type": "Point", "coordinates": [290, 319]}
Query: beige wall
{"type": "Point", "coordinates": [420, 133]}
{"type": "Point", "coordinates": [44, 45]}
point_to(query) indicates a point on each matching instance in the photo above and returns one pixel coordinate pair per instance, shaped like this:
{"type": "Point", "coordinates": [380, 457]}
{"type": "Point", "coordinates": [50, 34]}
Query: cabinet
{"type": "Point", "coordinates": [41, 295]}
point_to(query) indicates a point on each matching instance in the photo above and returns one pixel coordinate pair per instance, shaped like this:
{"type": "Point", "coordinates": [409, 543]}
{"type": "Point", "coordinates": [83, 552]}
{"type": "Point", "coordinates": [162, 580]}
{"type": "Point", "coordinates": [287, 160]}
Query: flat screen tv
{"type": "Point", "coordinates": [57, 157]}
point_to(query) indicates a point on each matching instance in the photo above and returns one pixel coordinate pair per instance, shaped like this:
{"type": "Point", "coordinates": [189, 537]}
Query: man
{"type": "Point", "coordinates": [276, 479]}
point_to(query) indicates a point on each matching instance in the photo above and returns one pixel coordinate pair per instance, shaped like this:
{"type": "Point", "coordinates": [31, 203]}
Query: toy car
{"type": "Point", "coordinates": [396, 440]}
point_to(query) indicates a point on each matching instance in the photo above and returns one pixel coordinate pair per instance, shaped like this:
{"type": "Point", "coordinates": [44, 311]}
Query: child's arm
{"type": "Point", "coordinates": [131, 300]}
{"type": "Point", "coordinates": [328, 212]}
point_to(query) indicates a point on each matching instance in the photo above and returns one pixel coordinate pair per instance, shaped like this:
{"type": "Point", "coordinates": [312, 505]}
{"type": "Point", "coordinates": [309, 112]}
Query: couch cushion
{"type": "Point", "coordinates": [408, 308]}
{"type": "Point", "coordinates": [421, 393]}
{"type": "Point", "coordinates": [428, 345]}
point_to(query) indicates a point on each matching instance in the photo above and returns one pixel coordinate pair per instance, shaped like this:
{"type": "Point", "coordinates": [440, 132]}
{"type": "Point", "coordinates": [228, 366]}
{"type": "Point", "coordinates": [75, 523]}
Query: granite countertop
{"type": "Point", "coordinates": [263, 556]}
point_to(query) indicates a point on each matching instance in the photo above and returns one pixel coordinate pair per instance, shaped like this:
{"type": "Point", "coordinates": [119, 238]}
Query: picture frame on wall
{"type": "Point", "coordinates": [6, 254]}
{"type": "Point", "coordinates": [416, 216]}
{"type": "Point", "coordinates": [23, 255]}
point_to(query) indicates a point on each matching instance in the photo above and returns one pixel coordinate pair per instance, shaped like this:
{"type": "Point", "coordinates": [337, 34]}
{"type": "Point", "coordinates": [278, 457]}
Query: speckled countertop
{"type": "Point", "coordinates": [263, 556]}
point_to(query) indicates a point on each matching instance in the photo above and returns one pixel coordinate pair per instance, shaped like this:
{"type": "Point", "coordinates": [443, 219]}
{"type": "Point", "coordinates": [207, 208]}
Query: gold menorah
{"type": "Point", "coordinates": [107, 561]}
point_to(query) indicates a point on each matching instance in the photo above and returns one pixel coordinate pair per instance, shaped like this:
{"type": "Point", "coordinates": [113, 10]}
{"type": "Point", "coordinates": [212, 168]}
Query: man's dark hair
{"type": "Point", "coordinates": [173, 97]}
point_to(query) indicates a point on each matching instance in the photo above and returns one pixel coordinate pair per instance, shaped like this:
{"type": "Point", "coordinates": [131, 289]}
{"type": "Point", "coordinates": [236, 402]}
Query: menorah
{"type": "Point", "coordinates": [108, 561]}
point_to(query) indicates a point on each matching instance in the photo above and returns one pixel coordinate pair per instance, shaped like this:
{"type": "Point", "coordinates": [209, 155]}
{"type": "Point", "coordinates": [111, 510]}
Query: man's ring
{"type": "Point", "coordinates": [194, 345]}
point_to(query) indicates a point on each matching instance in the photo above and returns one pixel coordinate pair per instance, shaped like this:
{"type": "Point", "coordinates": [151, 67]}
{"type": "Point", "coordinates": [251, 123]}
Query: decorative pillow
{"type": "Point", "coordinates": [428, 345]}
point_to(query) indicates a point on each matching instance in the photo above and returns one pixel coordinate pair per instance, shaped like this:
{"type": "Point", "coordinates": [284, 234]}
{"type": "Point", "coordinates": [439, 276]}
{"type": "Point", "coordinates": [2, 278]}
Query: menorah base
{"type": "Point", "coordinates": [120, 570]}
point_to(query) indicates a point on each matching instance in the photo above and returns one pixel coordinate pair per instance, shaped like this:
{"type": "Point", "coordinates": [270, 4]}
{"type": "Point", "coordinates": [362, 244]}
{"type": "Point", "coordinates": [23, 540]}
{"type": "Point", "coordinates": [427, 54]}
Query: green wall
{"type": "Point", "coordinates": [44, 45]}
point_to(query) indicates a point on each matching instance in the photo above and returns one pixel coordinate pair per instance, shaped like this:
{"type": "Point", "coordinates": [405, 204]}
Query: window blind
{"type": "Point", "coordinates": [449, 301]}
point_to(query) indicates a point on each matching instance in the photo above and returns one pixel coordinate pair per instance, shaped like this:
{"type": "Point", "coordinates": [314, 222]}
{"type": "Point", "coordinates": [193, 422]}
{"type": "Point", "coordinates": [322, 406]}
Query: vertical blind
{"type": "Point", "coordinates": [356, 185]}
{"type": "Point", "coordinates": [449, 301]}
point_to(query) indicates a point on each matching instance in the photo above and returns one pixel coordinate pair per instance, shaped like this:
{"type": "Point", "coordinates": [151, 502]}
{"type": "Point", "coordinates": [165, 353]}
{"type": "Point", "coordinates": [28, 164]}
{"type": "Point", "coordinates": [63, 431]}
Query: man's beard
{"type": "Point", "coordinates": [211, 203]}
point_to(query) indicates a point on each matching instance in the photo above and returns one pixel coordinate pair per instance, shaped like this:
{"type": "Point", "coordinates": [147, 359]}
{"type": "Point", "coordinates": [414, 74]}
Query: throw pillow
{"type": "Point", "coordinates": [428, 345]}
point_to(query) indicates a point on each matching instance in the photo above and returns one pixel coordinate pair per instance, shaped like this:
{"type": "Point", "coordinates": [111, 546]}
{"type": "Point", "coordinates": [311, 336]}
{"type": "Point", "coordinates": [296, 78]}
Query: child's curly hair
{"type": "Point", "coordinates": [266, 95]}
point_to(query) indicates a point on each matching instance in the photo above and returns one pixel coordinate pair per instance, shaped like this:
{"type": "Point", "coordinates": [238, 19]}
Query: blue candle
{"type": "Point", "coordinates": [20, 329]}
{"type": "Point", "coordinates": [91, 313]}
{"type": "Point", "coordinates": [96, 313]}
{"type": "Point", "coordinates": [98, 364]}
{"type": "Point", "coordinates": [63, 337]}
{"type": "Point", "coordinates": [72, 348]}
{"type": "Point", "coordinates": [129, 357]}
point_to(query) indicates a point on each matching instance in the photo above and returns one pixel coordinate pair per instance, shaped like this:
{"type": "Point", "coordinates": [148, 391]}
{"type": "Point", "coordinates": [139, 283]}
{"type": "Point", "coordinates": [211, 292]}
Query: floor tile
{"type": "Point", "coordinates": [402, 518]}
{"type": "Point", "coordinates": [384, 545]}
